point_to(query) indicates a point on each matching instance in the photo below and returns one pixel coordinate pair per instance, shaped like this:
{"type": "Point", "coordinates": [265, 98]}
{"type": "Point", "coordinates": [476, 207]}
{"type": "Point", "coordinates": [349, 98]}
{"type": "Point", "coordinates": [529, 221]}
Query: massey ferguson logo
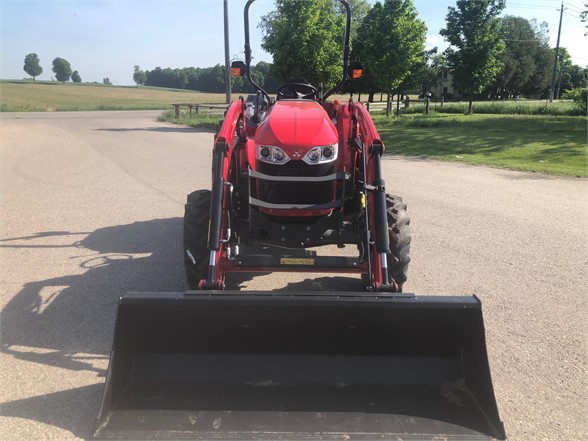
{"type": "Point", "coordinates": [296, 153]}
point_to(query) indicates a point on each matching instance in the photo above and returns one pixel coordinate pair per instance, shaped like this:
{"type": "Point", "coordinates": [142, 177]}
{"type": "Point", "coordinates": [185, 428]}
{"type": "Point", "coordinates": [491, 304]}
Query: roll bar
{"type": "Point", "coordinates": [338, 86]}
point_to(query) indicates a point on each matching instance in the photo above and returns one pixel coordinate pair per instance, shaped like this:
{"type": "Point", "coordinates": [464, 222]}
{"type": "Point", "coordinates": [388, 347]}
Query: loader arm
{"type": "Point", "coordinates": [364, 137]}
{"type": "Point", "coordinates": [222, 155]}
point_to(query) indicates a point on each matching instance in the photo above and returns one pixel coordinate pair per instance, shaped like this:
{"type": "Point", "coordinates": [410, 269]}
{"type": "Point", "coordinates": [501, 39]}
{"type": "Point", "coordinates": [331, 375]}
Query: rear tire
{"type": "Point", "coordinates": [196, 220]}
{"type": "Point", "coordinates": [399, 235]}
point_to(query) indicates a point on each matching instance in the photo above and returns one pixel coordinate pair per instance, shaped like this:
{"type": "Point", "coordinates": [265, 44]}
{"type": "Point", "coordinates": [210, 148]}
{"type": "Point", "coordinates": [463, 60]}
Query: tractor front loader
{"type": "Point", "coordinates": [291, 174]}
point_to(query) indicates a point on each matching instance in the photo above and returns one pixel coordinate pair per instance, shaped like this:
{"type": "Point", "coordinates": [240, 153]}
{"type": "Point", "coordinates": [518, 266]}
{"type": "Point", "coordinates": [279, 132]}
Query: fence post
{"type": "Point", "coordinates": [427, 99]}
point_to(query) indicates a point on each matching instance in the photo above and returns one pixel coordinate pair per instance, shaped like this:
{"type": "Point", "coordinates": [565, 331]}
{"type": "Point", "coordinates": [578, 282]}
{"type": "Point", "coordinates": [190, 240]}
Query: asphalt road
{"type": "Point", "coordinates": [92, 206]}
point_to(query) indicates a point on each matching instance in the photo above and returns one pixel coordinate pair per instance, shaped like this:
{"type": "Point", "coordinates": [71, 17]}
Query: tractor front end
{"type": "Point", "coordinates": [292, 175]}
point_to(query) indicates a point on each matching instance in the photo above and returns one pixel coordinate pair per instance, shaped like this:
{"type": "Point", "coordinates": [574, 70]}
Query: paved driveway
{"type": "Point", "coordinates": [92, 205]}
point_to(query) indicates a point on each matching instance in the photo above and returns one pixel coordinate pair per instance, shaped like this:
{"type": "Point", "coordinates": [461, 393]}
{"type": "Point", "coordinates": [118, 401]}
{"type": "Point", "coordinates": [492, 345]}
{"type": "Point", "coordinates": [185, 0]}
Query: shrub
{"type": "Point", "coordinates": [578, 96]}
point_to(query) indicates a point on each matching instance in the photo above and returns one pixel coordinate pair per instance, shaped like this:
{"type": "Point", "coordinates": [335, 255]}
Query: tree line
{"type": "Point", "coordinates": [207, 79]}
{"type": "Point", "coordinates": [488, 56]}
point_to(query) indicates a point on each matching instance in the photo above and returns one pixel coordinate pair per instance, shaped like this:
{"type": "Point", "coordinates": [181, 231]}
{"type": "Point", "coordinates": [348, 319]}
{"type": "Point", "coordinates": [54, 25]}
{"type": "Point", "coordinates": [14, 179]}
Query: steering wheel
{"type": "Point", "coordinates": [300, 91]}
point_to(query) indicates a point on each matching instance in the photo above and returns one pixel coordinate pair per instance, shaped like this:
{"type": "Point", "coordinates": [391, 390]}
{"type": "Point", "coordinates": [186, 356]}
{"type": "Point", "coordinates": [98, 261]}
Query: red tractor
{"type": "Point", "coordinates": [295, 172]}
{"type": "Point", "coordinates": [289, 174]}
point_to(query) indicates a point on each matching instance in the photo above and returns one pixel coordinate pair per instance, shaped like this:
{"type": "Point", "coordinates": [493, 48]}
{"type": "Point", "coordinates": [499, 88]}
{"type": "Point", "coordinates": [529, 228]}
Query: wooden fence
{"type": "Point", "coordinates": [212, 109]}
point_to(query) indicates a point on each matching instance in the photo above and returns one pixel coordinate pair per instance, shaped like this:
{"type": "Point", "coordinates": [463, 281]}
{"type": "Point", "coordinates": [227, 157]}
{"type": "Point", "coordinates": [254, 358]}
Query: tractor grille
{"type": "Point", "coordinates": [307, 192]}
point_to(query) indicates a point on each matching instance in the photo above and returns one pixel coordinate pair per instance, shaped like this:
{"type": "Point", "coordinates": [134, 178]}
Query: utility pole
{"type": "Point", "coordinates": [552, 89]}
{"type": "Point", "coordinates": [227, 59]}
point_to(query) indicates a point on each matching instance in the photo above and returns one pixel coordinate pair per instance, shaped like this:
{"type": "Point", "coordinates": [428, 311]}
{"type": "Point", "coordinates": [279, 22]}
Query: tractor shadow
{"type": "Point", "coordinates": [73, 410]}
{"type": "Point", "coordinates": [164, 129]}
{"type": "Point", "coordinates": [320, 285]}
{"type": "Point", "coordinates": [67, 321]}
{"type": "Point", "coordinates": [74, 313]}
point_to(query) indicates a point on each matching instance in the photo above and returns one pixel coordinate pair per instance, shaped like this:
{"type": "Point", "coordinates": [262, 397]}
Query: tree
{"type": "Point", "coordinates": [209, 79]}
{"type": "Point", "coordinates": [579, 97]}
{"type": "Point", "coordinates": [75, 77]}
{"type": "Point", "coordinates": [473, 31]}
{"type": "Point", "coordinates": [139, 76]}
{"type": "Point", "coordinates": [584, 16]}
{"type": "Point", "coordinates": [541, 78]}
{"type": "Point", "coordinates": [304, 40]}
{"type": "Point", "coordinates": [428, 71]}
{"type": "Point", "coordinates": [106, 81]}
{"type": "Point", "coordinates": [578, 78]}
{"type": "Point", "coordinates": [182, 78]}
{"type": "Point", "coordinates": [62, 69]}
{"type": "Point", "coordinates": [517, 58]}
{"type": "Point", "coordinates": [32, 66]}
{"type": "Point", "coordinates": [359, 9]}
{"type": "Point", "coordinates": [391, 41]}
{"type": "Point", "coordinates": [269, 83]}
{"type": "Point", "coordinates": [367, 83]}
{"type": "Point", "coordinates": [569, 76]}
{"type": "Point", "coordinates": [526, 47]}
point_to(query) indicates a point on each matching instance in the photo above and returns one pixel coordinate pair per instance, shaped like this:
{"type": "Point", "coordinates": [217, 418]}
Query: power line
{"type": "Point", "coordinates": [523, 6]}
{"type": "Point", "coordinates": [569, 5]}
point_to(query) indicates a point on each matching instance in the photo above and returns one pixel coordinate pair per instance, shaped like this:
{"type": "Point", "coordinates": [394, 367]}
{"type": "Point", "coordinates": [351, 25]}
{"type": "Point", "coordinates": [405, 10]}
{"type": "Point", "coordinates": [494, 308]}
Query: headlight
{"type": "Point", "coordinates": [320, 155]}
{"type": "Point", "coordinates": [272, 155]}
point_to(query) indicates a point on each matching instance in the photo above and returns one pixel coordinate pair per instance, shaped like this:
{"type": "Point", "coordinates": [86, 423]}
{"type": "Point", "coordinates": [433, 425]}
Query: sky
{"type": "Point", "coordinates": [106, 38]}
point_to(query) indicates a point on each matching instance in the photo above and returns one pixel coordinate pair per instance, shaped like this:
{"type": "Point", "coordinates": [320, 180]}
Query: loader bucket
{"type": "Point", "coordinates": [298, 365]}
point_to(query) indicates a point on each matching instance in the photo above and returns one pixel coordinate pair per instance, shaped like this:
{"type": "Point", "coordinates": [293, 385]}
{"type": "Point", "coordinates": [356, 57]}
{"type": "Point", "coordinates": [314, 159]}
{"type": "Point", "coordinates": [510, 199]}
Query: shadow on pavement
{"type": "Point", "coordinates": [326, 284]}
{"type": "Point", "coordinates": [73, 410]}
{"type": "Point", "coordinates": [75, 313]}
{"type": "Point", "coordinates": [179, 129]}
{"type": "Point", "coordinates": [67, 322]}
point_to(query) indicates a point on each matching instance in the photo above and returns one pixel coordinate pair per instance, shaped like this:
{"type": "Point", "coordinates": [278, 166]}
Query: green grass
{"type": "Point", "coordinates": [546, 144]}
{"type": "Point", "coordinates": [203, 121]}
{"type": "Point", "coordinates": [520, 107]}
{"type": "Point", "coordinates": [24, 96]}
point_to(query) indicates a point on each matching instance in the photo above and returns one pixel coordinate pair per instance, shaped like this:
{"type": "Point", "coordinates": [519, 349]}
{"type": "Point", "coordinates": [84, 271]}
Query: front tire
{"type": "Point", "coordinates": [399, 236]}
{"type": "Point", "coordinates": [196, 220]}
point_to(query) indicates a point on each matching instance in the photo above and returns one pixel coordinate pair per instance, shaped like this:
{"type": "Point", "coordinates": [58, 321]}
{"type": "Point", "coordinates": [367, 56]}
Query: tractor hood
{"type": "Point", "coordinates": [291, 123]}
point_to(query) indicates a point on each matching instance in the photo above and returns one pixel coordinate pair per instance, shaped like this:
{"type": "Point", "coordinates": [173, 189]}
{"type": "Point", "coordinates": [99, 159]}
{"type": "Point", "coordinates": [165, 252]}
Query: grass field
{"type": "Point", "coordinates": [538, 143]}
{"type": "Point", "coordinates": [547, 144]}
{"type": "Point", "coordinates": [21, 96]}
{"type": "Point", "coordinates": [203, 121]}
{"type": "Point", "coordinates": [520, 107]}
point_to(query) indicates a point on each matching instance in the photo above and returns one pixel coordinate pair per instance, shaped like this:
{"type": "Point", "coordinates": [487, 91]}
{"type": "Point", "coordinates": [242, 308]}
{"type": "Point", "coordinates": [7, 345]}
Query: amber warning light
{"type": "Point", "coordinates": [355, 70]}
